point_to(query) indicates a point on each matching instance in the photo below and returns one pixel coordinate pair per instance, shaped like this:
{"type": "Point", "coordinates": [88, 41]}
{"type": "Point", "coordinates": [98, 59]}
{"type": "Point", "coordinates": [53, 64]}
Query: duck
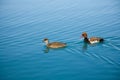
{"type": "Point", "coordinates": [91, 40]}
{"type": "Point", "coordinates": [54, 44]}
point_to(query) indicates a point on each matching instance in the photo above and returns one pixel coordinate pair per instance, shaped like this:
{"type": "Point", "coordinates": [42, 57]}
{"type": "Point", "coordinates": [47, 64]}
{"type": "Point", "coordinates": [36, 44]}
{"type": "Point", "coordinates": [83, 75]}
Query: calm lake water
{"type": "Point", "coordinates": [25, 23]}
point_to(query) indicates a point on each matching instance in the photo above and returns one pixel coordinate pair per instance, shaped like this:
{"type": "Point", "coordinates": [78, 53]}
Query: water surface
{"type": "Point", "coordinates": [25, 23]}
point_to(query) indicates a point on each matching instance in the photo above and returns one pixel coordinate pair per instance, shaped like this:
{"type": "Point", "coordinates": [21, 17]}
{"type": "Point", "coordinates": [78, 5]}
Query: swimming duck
{"type": "Point", "coordinates": [91, 40]}
{"type": "Point", "coordinates": [54, 44]}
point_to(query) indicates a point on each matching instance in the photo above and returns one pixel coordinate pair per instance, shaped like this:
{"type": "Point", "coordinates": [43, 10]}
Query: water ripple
{"type": "Point", "coordinates": [23, 27]}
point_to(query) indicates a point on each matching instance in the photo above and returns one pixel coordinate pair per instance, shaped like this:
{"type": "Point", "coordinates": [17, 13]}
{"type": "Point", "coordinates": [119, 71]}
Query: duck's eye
{"type": "Point", "coordinates": [82, 34]}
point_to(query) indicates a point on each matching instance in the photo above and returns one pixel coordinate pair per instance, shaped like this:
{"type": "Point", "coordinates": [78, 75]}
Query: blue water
{"type": "Point", "coordinates": [25, 23]}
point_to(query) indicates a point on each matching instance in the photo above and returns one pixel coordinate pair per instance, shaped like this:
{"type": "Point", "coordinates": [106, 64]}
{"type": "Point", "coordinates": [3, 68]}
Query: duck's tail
{"type": "Point", "coordinates": [101, 39]}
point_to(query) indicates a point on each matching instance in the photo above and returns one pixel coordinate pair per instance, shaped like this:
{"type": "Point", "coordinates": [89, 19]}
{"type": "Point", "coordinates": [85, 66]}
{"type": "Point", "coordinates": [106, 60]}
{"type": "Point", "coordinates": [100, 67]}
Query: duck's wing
{"type": "Point", "coordinates": [56, 44]}
{"type": "Point", "coordinates": [94, 39]}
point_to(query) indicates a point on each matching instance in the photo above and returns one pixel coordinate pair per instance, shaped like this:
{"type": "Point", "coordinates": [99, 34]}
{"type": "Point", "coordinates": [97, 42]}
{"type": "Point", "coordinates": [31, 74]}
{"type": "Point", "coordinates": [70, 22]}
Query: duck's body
{"type": "Point", "coordinates": [54, 44]}
{"type": "Point", "coordinates": [91, 40]}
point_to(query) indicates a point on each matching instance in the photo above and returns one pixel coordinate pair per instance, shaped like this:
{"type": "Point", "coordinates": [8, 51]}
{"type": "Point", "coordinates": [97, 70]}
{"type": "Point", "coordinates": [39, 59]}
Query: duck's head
{"type": "Point", "coordinates": [84, 34]}
{"type": "Point", "coordinates": [46, 41]}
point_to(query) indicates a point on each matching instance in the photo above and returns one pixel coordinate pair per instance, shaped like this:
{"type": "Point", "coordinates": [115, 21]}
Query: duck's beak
{"type": "Point", "coordinates": [81, 36]}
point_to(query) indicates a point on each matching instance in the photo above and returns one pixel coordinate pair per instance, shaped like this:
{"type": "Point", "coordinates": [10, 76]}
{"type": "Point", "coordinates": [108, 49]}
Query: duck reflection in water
{"type": "Point", "coordinates": [46, 50]}
{"type": "Point", "coordinates": [85, 46]}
